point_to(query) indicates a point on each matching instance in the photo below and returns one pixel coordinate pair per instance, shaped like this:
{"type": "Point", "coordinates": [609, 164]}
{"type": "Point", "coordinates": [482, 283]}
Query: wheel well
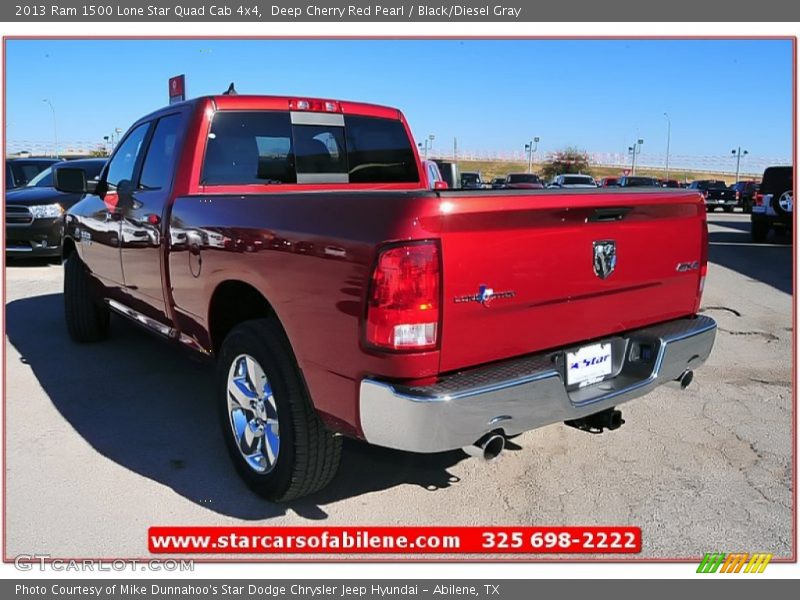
{"type": "Point", "coordinates": [234, 302]}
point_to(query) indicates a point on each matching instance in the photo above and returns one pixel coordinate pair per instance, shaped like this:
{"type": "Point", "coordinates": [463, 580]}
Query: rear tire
{"type": "Point", "coordinates": [759, 231]}
{"type": "Point", "coordinates": [280, 447]}
{"type": "Point", "coordinates": [87, 318]}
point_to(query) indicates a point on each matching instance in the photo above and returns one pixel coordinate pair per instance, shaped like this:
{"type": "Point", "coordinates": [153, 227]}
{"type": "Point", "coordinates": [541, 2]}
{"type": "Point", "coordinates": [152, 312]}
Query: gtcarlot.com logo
{"type": "Point", "coordinates": [735, 562]}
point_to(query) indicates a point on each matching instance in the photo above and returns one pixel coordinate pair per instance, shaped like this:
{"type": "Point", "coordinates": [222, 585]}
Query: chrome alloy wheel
{"type": "Point", "coordinates": [786, 201]}
{"type": "Point", "coordinates": [253, 414]}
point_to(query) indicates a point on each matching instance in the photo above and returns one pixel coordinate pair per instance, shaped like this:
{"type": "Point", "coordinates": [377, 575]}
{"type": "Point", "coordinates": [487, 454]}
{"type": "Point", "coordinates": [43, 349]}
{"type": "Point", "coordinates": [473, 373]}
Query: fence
{"type": "Point", "coordinates": [724, 163]}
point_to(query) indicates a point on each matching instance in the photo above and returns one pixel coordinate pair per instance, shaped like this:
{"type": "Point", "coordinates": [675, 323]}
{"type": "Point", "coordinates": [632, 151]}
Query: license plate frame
{"type": "Point", "coordinates": [588, 364]}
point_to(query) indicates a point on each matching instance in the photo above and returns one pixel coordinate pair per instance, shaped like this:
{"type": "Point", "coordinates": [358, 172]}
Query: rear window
{"type": "Point", "coordinates": [523, 178]}
{"type": "Point", "coordinates": [578, 180]}
{"type": "Point", "coordinates": [641, 182]}
{"type": "Point", "coordinates": [717, 185]}
{"type": "Point", "coordinates": [270, 147]}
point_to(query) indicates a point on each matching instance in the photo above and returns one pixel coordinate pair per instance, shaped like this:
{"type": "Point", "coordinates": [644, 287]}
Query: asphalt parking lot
{"type": "Point", "coordinates": [105, 440]}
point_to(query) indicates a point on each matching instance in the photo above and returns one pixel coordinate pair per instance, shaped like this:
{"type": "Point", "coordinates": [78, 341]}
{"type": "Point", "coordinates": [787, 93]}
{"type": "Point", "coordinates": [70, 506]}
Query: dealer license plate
{"type": "Point", "coordinates": [589, 364]}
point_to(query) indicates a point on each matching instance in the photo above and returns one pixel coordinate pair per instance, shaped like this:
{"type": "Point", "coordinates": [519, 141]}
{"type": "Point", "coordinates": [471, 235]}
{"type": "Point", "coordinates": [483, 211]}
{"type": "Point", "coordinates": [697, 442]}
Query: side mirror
{"type": "Point", "coordinates": [70, 180]}
{"type": "Point", "coordinates": [440, 185]}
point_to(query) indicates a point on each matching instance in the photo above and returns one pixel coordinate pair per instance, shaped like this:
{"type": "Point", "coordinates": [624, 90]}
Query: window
{"type": "Point", "coordinates": [123, 164]}
{"type": "Point", "coordinates": [160, 159]}
{"type": "Point", "coordinates": [319, 153]}
{"type": "Point", "coordinates": [266, 148]}
{"type": "Point", "coordinates": [249, 147]}
{"type": "Point", "coordinates": [379, 151]}
{"type": "Point", "coordinates": [523, 178]}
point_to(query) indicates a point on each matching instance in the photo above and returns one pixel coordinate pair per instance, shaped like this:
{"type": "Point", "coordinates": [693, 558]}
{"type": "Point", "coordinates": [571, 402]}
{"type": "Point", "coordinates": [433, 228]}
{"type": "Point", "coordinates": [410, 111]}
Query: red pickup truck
{"type": "Point", "coordinates": [293, 240]}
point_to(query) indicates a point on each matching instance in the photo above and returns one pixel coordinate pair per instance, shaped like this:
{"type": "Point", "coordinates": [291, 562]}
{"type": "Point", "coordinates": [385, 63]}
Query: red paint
{"type": "Point", "coordinates": [311, 250]}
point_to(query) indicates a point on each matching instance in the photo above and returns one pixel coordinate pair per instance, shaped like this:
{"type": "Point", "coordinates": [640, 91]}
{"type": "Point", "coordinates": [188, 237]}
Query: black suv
{"type": "Point", "coordinates": [773, 204]}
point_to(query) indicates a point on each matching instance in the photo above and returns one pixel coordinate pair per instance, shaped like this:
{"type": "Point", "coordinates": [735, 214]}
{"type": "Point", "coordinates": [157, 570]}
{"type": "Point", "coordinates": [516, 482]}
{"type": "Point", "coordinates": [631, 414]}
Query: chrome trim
{"type": "Point", "coordinates": [323, 178]}
{"type": "Point", "coordinates": [408, 419]}
{"type": "Point", "coordinates": [317, 118]}
{"type": "Point", "coordinates": [19, 249]}
{"type": "Point", "coordinates": [135, 315]}
{"type": "Point", "coordinates": [156, 326]}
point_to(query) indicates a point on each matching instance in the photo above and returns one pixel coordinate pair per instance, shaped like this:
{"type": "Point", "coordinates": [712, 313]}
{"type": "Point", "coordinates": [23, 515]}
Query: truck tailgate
{"type": "Point", "coordinates": [520, 272]}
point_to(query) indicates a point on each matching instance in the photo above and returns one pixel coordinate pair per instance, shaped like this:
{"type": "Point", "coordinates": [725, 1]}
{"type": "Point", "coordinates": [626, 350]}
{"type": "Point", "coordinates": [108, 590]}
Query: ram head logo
{"type": "Point", "coordinates": [605, 258]}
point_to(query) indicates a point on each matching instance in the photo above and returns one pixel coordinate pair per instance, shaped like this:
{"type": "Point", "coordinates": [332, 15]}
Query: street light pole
{"type": "Point", "coordinates": [531, 148]}
{"type": "Point", "coordinates": [669, 134]}
{"type": "Point", "coordinates": [739, 153]}
{"type": "Point", "coordinates": [633, 151]}
{"type": "Point", "coordinates": [55, 129]}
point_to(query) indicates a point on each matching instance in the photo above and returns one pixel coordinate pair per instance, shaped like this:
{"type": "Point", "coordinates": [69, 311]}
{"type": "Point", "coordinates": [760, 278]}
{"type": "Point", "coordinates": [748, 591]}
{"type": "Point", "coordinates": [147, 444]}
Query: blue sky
{"type": "Point", "coordinates": [490, 94]}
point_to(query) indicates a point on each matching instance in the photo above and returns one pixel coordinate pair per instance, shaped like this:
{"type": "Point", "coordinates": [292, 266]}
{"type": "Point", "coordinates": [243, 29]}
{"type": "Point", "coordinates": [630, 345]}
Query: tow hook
{"type": "Point", "coordinates": [489, 447]}
{"type": "Point", "coordinates": [610, 419]}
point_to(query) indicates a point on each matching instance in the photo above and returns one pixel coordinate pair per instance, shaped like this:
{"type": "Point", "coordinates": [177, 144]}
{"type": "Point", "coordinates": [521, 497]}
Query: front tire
{"type": "Point", "coordinates": [276, 440]}
{"type": "Point", "coordinates": [87, 318]}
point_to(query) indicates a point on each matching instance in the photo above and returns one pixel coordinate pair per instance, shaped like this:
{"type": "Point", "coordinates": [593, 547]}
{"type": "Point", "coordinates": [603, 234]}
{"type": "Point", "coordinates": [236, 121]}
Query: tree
{"type": "Point", "coordinates": [570, 160]}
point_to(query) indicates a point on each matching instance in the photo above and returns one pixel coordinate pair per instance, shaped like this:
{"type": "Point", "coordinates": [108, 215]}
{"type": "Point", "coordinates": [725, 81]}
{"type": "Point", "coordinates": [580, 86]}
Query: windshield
{"type": "Point", "coordinates": [25, 171]}
{"type": "Point", "coordinates": [523, 178]}
{"type": "Point", "coordinates": [578, 180]}
{"type": "Point", "coordinates": [43, 179]}
{"type": "Point", "coordinates": [469, 177]}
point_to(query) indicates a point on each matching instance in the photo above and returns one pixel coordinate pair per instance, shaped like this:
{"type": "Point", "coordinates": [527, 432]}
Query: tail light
{"type": "Point", "coordinates": [758, 199]}
{"type": "Point", "coordinates": [705, 193]}
{"type": "Point", "coordinates": [701, 283]}
{"type": "Point", "coordinates": [737, 195]}
{"type": "Point", "coordinates": [403, 301]}
{"type": "Point", "coordinates": [315, 105]}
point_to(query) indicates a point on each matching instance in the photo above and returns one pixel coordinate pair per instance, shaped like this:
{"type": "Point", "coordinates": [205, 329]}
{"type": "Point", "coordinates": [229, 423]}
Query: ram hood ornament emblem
{"type": "Point", "coordinates": [605, 258]}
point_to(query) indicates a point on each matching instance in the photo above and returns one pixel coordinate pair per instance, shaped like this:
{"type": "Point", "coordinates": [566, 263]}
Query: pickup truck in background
{"type": "Point", "coordinates": [472, 180]}
{"type": "Point", "coordinates": [716, 194]}
{"type": "Point", "coordinates": [294, 242]}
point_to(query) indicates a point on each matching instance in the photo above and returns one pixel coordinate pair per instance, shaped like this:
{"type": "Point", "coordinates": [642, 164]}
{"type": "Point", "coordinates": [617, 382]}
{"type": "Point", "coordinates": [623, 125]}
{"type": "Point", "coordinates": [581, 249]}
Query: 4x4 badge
{"type": "Point", "coordinates": [605, 257]}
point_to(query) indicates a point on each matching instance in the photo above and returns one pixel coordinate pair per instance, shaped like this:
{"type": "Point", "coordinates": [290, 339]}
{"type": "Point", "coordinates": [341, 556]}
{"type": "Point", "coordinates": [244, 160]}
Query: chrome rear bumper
{"type": "Point", "coordinates": [525, 393]}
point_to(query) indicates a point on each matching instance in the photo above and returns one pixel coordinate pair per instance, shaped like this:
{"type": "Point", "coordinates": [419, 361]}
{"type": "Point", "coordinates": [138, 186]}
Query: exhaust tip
{"type": "Point", "coordinates": [493, 447]}
{"type": "Point", "coordinates": [686, 378]}
{"type": "Point", "coordinates": [489, 447]}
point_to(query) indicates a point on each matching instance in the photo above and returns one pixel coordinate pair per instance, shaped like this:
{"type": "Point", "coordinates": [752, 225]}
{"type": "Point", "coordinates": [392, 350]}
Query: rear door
{"type": "Point", "coordinates": [525, 273]}
{"type": "Point", "coordinates": [142, 210]}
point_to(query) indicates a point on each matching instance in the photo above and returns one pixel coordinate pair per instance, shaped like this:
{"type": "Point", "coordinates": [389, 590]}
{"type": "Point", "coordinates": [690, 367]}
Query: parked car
{"type": "Point", "coordinates": [33, 212]}
{"type": "Point", "coordinates": [636, 181]}
{"type": "Point", "coordinates": [434, 176]}
{"type": "Point", "coordinates": [498, 183]}
{"type": "Point", "coordinates": [19, 171]}
{"type": "Point", "coordinates": [523, 181]}
{"type": "Point", "coordinates": [716, 194]}
{"type": "Point", "coordinates": [449, 172]}
{"type": "Point", "coordinates": [747, 191]}
{"type": "Point", "coordinates": [573, 181]}
{"type": "Point", "coordinates": [471, 180]}
{"type": "Point", "coordinates": [609, 181]}
{"type": "Point", "coordinates": [424, 321]}
{"type": "Point", "coordinates": [773, 204]}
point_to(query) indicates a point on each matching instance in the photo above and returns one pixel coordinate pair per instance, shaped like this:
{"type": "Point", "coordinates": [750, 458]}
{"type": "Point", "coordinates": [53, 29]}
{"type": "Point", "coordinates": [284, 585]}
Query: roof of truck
{"type": "Point", "coordinates": [255, 102]}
